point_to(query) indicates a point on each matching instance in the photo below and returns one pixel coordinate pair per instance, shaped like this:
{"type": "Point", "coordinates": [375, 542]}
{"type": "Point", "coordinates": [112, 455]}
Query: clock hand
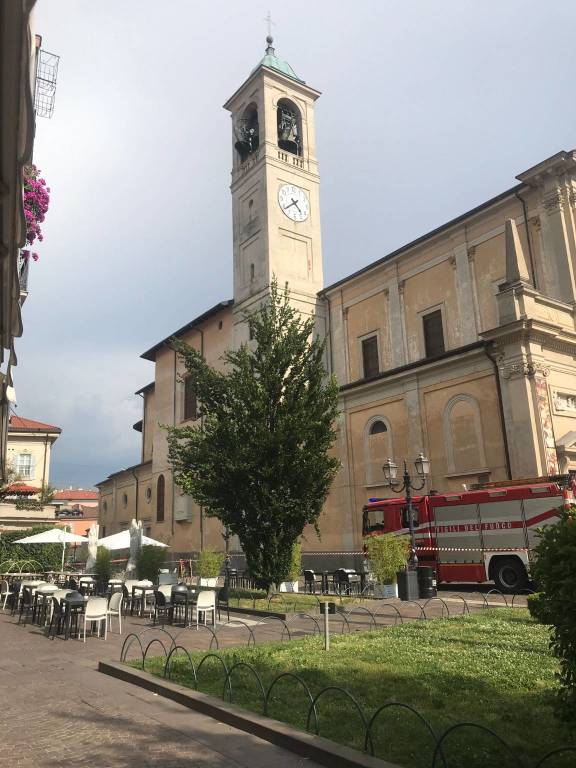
{"type": "Point", "coordinates": [290, 206]}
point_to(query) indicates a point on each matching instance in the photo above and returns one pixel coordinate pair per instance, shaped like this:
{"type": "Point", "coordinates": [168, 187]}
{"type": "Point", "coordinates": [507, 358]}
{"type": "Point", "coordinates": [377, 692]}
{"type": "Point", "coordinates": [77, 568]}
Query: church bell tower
{"type": "Point", "coordinates": [275, 189]}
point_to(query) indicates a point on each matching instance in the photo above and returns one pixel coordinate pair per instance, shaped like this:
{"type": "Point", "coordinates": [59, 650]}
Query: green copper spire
{"type": "Point", "coordinates": [272, 61]}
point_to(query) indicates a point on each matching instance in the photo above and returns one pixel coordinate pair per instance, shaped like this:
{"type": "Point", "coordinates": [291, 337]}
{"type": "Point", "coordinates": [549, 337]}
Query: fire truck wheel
{"type": "Point", "coordinates": [509, 574]}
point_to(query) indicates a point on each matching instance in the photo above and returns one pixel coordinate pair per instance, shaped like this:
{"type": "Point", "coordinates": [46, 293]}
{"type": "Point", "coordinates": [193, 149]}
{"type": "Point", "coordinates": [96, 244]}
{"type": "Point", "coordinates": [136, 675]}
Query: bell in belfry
{"type": "Point", "coordinates": [288, 138]}
{"type": "Point", "coordinates": [247, 134]}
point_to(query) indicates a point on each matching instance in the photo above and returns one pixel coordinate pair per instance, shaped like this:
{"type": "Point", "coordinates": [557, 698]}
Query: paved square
{"type": "Point", "coordinates": [58, 710]}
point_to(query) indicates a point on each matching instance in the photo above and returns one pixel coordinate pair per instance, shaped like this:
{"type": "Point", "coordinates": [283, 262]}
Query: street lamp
{"type": "Point", "coordinates": [390, 470]}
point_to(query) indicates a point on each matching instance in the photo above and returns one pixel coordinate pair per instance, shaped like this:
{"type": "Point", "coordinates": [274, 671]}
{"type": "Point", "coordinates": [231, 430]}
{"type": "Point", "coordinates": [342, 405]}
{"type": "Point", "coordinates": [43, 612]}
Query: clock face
{"type": "Point", "coordinates": [294, 202]}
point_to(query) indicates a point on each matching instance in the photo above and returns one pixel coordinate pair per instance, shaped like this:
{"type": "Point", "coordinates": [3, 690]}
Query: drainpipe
{"type": "Point", "coordinates": [492, 359]}
{"type": "Point", "coordinates": [143, 427]}
{"type": "Point", "coordinates": [44, 465]}
{"type": "Point", "coordinates": [201, 332]}
{"type": "Point", "coordinates": [528, 238]}
{"type": "Point", "coordinates": [135, 476]}
{"type": "Point", "coordinates": [174, 425]}
{"type": "Point", "coordinates": [328, 331]}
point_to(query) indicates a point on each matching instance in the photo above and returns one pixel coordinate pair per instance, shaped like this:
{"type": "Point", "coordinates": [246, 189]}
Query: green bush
{"type": "Point", "coordinates": [103, 568]}
{"type": "Point", "coordinates": [209, 564]}
{"type": "Point", "coordinates": [537, 608]}
{"type": "Point", "coordinates": [387, 555]}
{"type": "Point", "coordinates": [48, 557]}
{"type": "Point", "coordinates": [295, 562]}
{"type": "Point", "coordinates": [149, 561]}
{"type": "Point", "coordinates": [554, 571]}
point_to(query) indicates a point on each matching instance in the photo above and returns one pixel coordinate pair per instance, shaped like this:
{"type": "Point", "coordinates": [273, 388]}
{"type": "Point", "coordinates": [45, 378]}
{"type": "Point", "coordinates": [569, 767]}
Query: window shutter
{"type": "Point", "coordinates": [190, 401]}
{"type": "Point", "coordinates": [433, 334]}
{"type": "Point", "coordinates": [160, 499]}
{"type": "Point", "coordinates": [370, 361]}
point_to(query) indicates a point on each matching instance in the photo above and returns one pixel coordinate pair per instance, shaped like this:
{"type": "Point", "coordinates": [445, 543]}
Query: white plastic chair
{"type": "Point", "coordinates": [96, 610]}
{"type": "Point", "coordinates": [4, 592]}
{"type": "Point", "coordinates": [115, 609]}
{"type": "Point", "coordinates": [205, 603]}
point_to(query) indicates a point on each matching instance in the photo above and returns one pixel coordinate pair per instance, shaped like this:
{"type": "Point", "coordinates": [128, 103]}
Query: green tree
{"type": "Point", "coordinates": [554, 570]}
{"type": "Point", "coordinates": [259, 462]}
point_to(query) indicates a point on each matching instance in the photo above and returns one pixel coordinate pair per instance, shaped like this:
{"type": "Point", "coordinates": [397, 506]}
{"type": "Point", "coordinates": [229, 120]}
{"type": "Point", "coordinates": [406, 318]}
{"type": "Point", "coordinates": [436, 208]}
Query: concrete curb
{"type": "Point", "coordinates": [307, 745]}
{"type": "Point", "coordinates": [261, 614]}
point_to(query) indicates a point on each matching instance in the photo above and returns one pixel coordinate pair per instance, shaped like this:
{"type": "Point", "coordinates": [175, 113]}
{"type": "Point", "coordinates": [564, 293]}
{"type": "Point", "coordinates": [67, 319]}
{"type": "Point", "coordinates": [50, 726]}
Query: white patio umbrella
{"type": "Point", "coordinates": [54, 536]}
{"type": "Point", "coordinates": [121, 540]}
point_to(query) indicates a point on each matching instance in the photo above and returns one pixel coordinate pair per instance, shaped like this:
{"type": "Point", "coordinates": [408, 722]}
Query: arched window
{"type": "Point", "coordinates": [463, 438]}
{"type": "Point", "coordinates": [247, 132]}
{"type": "Point", "coordinates": [160, 499]}
{"type": "Point", "coordinates": [289, 127]}
{"type": "Point", "coordinates": [377, 448]}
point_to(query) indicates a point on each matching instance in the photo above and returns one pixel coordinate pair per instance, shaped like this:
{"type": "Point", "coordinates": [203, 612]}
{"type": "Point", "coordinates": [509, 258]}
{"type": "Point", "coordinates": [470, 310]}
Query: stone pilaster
{"type": "Point", "coordinates": [465, 294]}
{"type": "Point", "coordinates": [396, 324]}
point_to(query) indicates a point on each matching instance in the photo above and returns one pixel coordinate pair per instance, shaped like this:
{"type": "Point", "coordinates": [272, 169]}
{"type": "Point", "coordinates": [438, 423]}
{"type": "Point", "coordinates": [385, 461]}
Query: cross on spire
{"type": "Point", "coordinates": [269, 38]}
{"type": "Point", "coordinates": [270, 23]}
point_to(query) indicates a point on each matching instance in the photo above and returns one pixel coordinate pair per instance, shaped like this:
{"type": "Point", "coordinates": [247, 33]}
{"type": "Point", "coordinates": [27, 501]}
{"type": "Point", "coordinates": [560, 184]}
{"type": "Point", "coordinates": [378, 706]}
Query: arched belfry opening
{"type": "Point", "coordinates": [289, 127]}
{"type": "Point", "coordinates": [247, 132]}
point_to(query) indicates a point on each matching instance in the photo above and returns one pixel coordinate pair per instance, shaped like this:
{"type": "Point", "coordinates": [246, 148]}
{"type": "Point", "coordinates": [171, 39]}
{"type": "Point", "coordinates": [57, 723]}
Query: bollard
{"type": "Point", "coordinates": [326, 628]}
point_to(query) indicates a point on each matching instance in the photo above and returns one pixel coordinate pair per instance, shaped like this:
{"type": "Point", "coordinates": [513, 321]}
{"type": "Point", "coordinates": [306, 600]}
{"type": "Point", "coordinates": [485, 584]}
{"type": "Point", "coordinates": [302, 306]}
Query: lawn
{"type": "Point", "coordinates": [492, 668]}
{"type": "Point", "coordinates": [284, 602]}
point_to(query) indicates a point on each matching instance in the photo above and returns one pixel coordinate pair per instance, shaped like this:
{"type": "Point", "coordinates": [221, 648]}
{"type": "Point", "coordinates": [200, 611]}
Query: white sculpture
{"type": "Point", "coordinates": [93, 534]}
{"type": "Point", "coordinates": [135, 544]}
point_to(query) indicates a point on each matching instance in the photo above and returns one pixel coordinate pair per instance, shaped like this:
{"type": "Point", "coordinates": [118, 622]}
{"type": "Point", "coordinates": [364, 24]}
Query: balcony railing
{"type": "Point", "coordinates": [23, 268]}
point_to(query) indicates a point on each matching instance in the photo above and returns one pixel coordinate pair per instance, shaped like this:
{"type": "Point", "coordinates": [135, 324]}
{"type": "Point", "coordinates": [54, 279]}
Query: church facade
{"type": "Point", "coordinates": [460, 345]}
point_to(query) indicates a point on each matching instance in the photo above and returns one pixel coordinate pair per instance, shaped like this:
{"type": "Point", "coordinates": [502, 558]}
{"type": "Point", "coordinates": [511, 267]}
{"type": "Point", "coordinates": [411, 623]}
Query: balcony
{"type": "Point", "coordinates": [23, 268]}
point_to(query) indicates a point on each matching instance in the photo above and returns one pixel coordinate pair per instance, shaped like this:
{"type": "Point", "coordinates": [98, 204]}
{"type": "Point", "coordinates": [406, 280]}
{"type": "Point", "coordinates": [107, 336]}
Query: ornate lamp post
{"type": "Point", "coordinates": [390, 470]}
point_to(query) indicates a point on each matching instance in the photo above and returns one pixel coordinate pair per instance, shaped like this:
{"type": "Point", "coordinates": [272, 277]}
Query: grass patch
{"type": "Point", "coordinates": [492, 668]}
{"type": "Point", "coordinates": [284, 602]}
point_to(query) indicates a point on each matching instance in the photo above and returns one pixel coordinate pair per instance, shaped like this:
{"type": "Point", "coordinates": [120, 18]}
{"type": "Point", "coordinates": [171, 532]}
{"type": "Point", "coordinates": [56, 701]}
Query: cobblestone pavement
{"type": "Point", "coordinates": [57, 710]}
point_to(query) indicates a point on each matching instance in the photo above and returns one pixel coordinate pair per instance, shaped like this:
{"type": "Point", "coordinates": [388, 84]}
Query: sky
{"type": "Point", "coordinates": [428, 109]}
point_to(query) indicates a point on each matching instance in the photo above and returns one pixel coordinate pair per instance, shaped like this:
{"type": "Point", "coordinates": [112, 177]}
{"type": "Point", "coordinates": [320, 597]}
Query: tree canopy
{"type": "Point", "coordinates": [258, 459]}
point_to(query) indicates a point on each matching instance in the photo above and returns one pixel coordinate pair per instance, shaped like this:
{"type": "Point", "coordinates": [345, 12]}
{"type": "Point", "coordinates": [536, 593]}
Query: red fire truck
{"type": "Point", "coordinates": [478, 535]}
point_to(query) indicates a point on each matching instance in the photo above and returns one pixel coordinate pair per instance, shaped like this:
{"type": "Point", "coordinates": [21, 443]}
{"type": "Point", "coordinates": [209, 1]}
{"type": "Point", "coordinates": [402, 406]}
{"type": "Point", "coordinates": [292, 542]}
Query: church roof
{"type": "Point", "coordinates": [150, 354]}
{"type": "Point", "coordinates": [272, 61]}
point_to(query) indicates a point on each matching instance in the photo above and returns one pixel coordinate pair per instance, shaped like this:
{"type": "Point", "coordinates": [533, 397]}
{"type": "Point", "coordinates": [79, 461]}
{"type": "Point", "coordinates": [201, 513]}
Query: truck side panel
{"type": "Point", "coordinates": [458, 534]}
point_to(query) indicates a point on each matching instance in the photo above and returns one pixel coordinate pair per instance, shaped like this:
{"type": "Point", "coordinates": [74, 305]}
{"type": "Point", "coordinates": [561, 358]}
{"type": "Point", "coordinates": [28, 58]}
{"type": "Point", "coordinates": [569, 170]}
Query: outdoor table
{"type": "Point", "coordinates": [185, 598]}
{"type": "Point", "coordinates": [41, 600]}
{"type": "Point", "coordinates": [87, 584]}
{"type": "Point", "coordinates": [33, 583]}
{"type": "Point", "coordinates": [188, 599]}
{"type": "Point", "coordinates": [73, 603]}
{"type": "Point", "coordinates": [325, 576]}
{"type": "Point", "coordinates": [144, 589]}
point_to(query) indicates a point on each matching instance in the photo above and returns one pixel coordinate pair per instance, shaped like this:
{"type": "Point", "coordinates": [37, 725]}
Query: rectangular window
{"type": "Point", "coordinates": [190, 402]}
{"type": "Point", "coordinates": [24, 466]}
{"type": "Point", "coordinates": [433, 334]}
{"type": "Point", "coordinates": [370, 362]}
